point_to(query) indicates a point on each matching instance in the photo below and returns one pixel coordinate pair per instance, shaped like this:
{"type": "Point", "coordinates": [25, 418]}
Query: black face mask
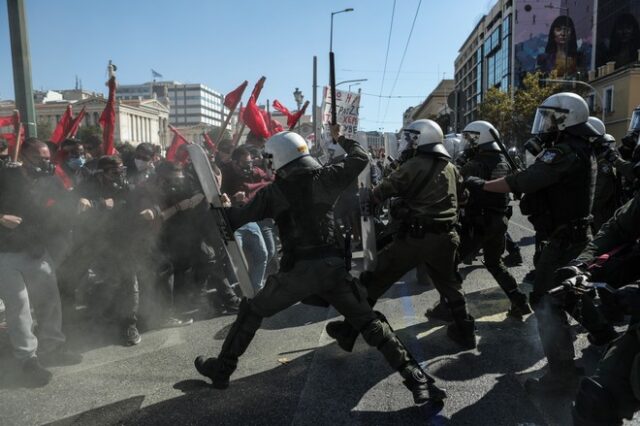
{"type": "Point", "coordinates": [115, 182]}
{"type": "Point", "coordinates": [41, 168]}
{"type": "Point", "coordinates": [175, 189]}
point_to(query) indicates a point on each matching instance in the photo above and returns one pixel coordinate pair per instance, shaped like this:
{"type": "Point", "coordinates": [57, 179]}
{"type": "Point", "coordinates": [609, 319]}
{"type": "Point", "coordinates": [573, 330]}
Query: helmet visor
{"type": "Point", "coordinates": [470, 138]}
{"type": "Point", "coordinates": [409, 139]}
{"type": "Point", "coordinates": [635, 120]}
{"type": "Point", "coordinates": [547, 120]}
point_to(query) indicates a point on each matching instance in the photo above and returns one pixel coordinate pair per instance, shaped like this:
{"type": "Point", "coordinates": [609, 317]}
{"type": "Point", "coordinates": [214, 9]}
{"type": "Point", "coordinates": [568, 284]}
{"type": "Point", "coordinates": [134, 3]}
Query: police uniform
{"type": "Point", "coordinates": [485, 224]}
{"type": "Point", "coordinates": [605, 200]}
{"type": "Point", "coordinates": [558, 190]}
{"type": "Point", "coordinates": [613, 392]}
{"type": "Point", "coordinates": [313, 264]}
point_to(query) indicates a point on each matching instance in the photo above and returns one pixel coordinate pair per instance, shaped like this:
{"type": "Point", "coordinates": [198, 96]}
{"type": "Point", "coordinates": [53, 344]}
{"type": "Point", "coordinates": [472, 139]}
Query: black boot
{"type": "Point", "coordinates": [513, 259]}
{"type": "Point", "coordinates": [463, 330]}
{"type": "Point", "coordinates": [422, 386]}
{"type": "Point", "coordinates": [439, 311]}
{"type": "Point", "coordinates": [235, 344]}
{"type": "Point", "coordinates": [562, 376]}
{"type": "Point", "coordinates": [519, 305]}
{"type": "Point", "coordinates": [343, 333]}
{"type": "Point", "coordinates": [379, 333]}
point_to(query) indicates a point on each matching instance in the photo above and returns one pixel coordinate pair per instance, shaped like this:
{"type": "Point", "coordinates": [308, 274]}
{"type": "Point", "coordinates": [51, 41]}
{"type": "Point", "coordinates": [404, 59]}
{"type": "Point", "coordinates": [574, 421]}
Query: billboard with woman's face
{"type": "Point", "coordinates": [553, 36]}
{"type": "Point", "coordinates": [618, 34]}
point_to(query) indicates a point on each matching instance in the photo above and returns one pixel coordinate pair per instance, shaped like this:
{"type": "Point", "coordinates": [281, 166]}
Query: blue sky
{"type": "Point", "coordinates": [222, 42]}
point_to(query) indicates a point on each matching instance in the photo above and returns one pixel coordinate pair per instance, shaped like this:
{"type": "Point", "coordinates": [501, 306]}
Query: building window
{"type": "Point", "coordinates": [591, 101]}
{"type": "Point", "coordinates": [608, 99]}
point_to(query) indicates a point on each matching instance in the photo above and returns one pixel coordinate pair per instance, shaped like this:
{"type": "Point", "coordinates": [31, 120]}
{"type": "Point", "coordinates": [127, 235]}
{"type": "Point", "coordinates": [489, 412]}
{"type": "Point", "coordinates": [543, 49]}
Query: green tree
{"type": "Point", "coordinates": [214, 132]}
{"type": "Point", "coordinates": [85, 132]}
{"type": "Point", "coordinates": [44, 130]}
{"type": "Point", "coordinates": [512, 113]}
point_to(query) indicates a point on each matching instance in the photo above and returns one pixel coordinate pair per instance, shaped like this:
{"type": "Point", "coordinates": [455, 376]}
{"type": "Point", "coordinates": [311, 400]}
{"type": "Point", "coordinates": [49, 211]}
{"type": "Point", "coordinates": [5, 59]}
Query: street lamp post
{"type": "Point", "coordinates": [332, 68]}
{"type": "Point", "coordinates": [297, 95]}
{"type": "Point", "coordinates": [354, 84]}
{"type": "Point", "coordinates": [331, 33]}
{"type": "Point", "coordinates": [357, 80]}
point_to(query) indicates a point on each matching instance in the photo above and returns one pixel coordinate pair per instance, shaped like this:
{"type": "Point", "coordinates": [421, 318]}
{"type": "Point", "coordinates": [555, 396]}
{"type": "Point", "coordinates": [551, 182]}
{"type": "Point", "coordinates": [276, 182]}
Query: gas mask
{"type": "Point", "coordinates": [114, 178]}
{"type": "Point", "coordinates": [534, 146]}
{"type": "Point", "coordinates": [143, 165]}
{"type": "Point", "coordinates": [40, 168]}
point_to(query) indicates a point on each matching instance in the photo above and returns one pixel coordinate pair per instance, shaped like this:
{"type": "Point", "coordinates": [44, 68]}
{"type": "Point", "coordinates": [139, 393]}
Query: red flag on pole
{"type": "Point", "coordinates": [176, 143]}
{"type": "Point", "coordinates": [6, 121]}
{"type": "Point", "coordinates": [253, 117]}
{"type": "Point", "coordinates": [73, 127]}
{"type": "Point", "coordinates": [60, 132]}
{"type": "Point", "coordinates": [212, 146]}
{"type": "Point", "coordinates": [258, 88]}
{"type": "Point", "coordinates": [108, 119]}
{"type": "Point", "coordinates": [232, 99]}
{"type": "Point", "coordinates": [296, 117]}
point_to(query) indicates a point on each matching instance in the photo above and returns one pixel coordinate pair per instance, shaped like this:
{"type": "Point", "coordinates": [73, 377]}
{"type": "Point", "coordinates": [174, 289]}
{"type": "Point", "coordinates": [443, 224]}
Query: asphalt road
{"type": "Point", "coordinates": [294, 374]}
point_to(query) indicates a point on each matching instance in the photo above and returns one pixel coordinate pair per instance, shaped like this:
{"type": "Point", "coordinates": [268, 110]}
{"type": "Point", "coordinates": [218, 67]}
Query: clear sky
{"type": "Point", "coordinates": [220, 43]}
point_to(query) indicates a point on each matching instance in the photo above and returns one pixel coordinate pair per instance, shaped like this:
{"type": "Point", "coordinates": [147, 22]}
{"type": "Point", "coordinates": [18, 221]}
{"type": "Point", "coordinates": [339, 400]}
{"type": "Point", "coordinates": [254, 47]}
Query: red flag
{"type": "Point", "coordinates": [232, 99]}
{"type": "Point", "coordinates": [258, 88]}
{"type": "Point", "coordinates": [254, 119]}
{"type": "Point", "coordinates": [212, 146]}
{"type": "Point", "coordinates": [108, 120]}
{"type": "Point", "coordinates": [176, 143]}
{"type": "Point", "coordinates": [73, 127]}
{"type": "Point", "coordinates": [283, 109]}
{"type": "Point", "coordinates": [61, 130]}
{"type": "Point", "coordinates": [296, 117]}
{"type": "Point", "coordinates": [6, 121]}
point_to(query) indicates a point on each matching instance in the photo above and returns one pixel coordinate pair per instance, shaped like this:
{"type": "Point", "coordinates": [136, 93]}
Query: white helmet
{"type": "Point", "coordinates": [481, 134]}
{"type": "Point", "coordinates": [425, 135]}
{"type": "Point", "coordinates": [562, 111]}
{"type": "Point", "coordinates": [635, 120]}
{"type": "Point", "coordinates": [598, 125]}
{"type": "Point", "coordinates": [285, 147]}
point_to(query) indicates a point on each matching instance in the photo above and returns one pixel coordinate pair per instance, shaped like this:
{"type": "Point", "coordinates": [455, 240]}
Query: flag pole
{"type": "Point", "coordinates": [18, 128]}
{"type": "Point", "coordinates": [226, 123]}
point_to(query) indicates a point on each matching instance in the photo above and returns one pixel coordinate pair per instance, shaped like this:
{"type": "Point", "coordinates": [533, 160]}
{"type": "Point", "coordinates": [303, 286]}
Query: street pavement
{"type": "Point", "coordinates": [294, 374]}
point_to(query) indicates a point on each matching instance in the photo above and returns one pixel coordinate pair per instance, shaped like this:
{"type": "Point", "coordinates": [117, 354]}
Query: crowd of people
{"type": "Point", "coordinates": [122, 240]}
{"type": "Point", "coordinates": [128, 237]}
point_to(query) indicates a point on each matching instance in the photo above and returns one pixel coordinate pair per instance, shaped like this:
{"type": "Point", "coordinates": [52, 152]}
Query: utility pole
{"type": "Point", "coordinates": [314, 116]}
{"type": "Point", "coordinates": [21, 60]}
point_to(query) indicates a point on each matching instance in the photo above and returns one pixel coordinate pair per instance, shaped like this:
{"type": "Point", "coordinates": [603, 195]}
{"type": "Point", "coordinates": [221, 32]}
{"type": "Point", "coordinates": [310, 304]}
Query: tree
{"type": "Point", "coordinates": [85, 132]}
{"type": "Point", "coordinates": [512, 113]}
{"type": "Point", "coordinates": [214, 132]}
{"type": "Point", "coordinates": [44, 130]}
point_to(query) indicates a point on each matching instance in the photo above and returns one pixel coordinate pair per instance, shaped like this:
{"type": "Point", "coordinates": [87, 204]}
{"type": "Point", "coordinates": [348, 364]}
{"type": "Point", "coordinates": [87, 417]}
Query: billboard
{"type": "Point", "coordinates": [553, 36]}
{"type": "Point", "coordinates": [618, 34]}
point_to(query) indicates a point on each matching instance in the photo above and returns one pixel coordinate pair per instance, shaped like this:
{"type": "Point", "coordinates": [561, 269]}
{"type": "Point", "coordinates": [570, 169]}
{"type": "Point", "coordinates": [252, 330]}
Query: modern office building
{"type": "Point", "coordinates": [190, 104]}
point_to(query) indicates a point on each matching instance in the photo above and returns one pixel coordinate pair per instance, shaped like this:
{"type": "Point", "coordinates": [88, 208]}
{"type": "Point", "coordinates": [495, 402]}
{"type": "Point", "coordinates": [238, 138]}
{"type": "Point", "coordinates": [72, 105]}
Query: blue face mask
{"type": "Point", "coordinates": [76, 163]}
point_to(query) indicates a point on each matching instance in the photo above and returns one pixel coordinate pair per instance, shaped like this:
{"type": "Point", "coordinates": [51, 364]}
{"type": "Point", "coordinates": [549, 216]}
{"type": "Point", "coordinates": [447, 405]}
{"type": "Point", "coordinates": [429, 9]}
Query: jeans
{"type": "Point", "coordinates": [268, 233]}
{"type": "Point", "coordinates": [251, 241]}
{"type": "Point", "coordinates": [25, 280]}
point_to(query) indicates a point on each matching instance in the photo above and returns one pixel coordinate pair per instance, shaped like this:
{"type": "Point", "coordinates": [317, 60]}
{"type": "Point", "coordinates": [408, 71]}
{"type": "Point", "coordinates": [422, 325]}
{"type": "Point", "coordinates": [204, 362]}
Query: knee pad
{"type": "Point", "coordinates": [377, 333]}
{"type": "Point", "coordinates": [594, 405]}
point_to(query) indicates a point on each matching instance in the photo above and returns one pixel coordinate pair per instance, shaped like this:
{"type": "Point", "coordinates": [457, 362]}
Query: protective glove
{"type": "Point", "coordinates": [474, 183]}
{"type": "Point", "coordinates": [628, 298]}
{"type": "Point", "coordinates": [573, 269]}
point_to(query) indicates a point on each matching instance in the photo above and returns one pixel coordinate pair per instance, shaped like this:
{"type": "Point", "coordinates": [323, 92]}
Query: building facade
{"type": "Point", "coordinates": [189, 104]}
{"type": "Point", "coordinates": [619, 93]}
{"type": "Point", "coordinates": [485, 60]}
{"type": "Point", "coordinates": [436, 103]}
{"type": "Point", "coordinates": [136, 120]}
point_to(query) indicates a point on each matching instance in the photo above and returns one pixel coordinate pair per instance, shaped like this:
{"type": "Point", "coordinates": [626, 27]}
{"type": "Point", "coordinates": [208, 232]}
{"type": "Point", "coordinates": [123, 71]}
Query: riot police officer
{"type": "Point", "coordinates": [301, 201]}
{"type": "Point", "coordinates": [558, 190]}
{"type": "Point", "coordinates": [485, 223]}
{"type": "Point", "coordinates": [612, 393]}
{"type": "Point", "coordinates": [429, 187]}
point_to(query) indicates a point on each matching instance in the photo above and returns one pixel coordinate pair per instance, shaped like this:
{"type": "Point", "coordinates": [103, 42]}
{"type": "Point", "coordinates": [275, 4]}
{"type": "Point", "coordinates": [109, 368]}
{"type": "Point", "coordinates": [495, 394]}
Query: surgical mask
{"type": "Point", "coordinates": [76, 163]}
{"type": "Point", "coordinates": [142, 165]}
